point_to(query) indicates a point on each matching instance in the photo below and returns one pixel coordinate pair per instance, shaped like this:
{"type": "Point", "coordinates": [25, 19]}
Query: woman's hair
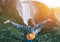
{"type": "Point", "coordinates": [30, 22]}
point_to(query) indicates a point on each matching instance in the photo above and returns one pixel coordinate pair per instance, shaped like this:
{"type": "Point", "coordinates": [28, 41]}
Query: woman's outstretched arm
{"type": "Point", "coordinates": [42, 23]}
{"type": "Point", "coordinates": [39, 26]}
{"type": "Point", "coordinates": [25, 28]}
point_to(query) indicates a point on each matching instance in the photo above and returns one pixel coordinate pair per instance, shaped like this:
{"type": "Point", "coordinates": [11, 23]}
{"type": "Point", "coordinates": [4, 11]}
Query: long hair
{"type": "Point", "coordinates": [30, 22]}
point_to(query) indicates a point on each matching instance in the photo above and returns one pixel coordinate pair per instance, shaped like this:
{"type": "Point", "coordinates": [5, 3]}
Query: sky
{"type": "Point", "coordinates": [49, 3]}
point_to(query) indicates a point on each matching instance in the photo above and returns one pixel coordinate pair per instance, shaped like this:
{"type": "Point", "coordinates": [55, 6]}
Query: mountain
{"type": "Point", "coordinates": [8, 3]}
{"type": "Point", "coordinates": [8, 10]}
{"type": "Point", "coordinates": [44, 12]}
{"type": "Point", "coordinates": [11, 14]}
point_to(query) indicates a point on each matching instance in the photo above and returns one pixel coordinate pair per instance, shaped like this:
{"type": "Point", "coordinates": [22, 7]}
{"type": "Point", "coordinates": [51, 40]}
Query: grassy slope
{"type": "Point", "coordinates": [11, 34]}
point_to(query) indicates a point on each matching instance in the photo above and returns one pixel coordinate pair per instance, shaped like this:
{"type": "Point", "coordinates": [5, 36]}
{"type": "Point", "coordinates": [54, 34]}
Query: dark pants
{"type": "Point", "coordinates": [28, 40]}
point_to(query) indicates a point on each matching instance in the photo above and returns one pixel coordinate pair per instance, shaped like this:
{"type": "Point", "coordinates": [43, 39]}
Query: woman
{"type": "Point", "coordinates": [29, 31]}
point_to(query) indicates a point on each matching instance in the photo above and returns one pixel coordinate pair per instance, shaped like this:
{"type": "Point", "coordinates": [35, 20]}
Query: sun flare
{"type": "Point", "coordinates": [50, 3]}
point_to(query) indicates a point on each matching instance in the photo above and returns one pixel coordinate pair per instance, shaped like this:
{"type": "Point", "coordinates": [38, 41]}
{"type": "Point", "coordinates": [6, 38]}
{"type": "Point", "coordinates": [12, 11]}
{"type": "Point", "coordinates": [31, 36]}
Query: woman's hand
{"type": "Point", "coordinates": [49, 19]}
{"type": "Point", "coordinates": [6, 22]}
{"type": "Point", "coordinates": [30, 36]}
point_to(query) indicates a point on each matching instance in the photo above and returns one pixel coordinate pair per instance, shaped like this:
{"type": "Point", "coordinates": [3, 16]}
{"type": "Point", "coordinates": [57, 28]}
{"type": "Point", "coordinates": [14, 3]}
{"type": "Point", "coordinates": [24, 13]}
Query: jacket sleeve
{"type": "Point", "coordinates": [25, 28]}
{"type": "Point", "coordinates": [37, 31]}
{"type": "Point", "coordinates": [39, 27]}
{"type": "Point", "coordinates": [40, 24]}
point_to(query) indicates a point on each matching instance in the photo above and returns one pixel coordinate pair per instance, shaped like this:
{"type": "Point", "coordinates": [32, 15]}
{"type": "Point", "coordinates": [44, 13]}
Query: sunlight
{"type": "Point", "coordinates": [51, 3]}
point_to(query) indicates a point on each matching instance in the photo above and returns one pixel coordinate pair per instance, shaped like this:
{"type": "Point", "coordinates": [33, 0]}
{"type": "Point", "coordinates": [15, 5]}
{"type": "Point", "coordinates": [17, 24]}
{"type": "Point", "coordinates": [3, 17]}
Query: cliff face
{"type": "Point", "coordinates": [11, 14]}
{"type": "Point", "coordinates": [9, 11]}
{"type": "Point", "coordinates": [43, 12]}
{"type": "Point", "coordinates": [8, 3]}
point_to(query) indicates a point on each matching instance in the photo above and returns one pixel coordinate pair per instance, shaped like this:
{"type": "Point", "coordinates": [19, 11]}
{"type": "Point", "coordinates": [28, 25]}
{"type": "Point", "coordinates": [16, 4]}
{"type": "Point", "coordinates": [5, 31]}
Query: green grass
{"type": "Point", "coordinates": [10, 34]}
{"type": "Point", "coordinates": [48, 36]}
